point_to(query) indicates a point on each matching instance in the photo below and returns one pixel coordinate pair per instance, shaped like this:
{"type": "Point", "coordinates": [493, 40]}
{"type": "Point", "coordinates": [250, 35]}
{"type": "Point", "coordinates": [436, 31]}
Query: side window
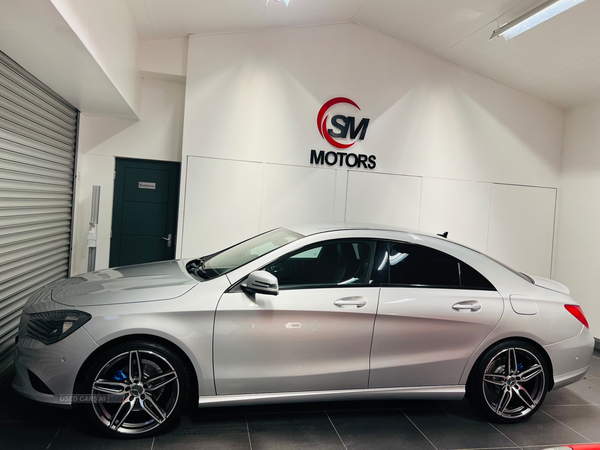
{"type": "Point", "coordinates": [412, 264]}
{"type": "Point", "coordinates": [471, 279]}
{"type": "Point", "coordinates": [417, 265]}
{"type": "Point", "coordinates": [330, 264]}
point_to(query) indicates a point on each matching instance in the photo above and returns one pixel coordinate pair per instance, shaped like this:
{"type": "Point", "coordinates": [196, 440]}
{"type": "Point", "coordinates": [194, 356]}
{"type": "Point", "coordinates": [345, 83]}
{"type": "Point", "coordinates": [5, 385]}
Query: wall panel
{"type": "Point", "coordinates": [383, 199]}
{"type": "Point", "coordinates": [521, 228]}
{"type": "Point", "coordinates": [461, 208]}
{"type": "Point", "coordinates": [294, 195]}
{"type": "Point", "coordinates": [222, 204]}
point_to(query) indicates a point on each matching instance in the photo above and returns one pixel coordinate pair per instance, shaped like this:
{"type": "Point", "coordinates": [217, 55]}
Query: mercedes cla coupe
{"type": "Point", "coordinates": [306, 313]}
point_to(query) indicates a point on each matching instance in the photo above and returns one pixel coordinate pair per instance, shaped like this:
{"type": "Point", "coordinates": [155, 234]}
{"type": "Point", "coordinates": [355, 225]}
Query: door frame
{"type": "Point", "coordinates": [118, 196]}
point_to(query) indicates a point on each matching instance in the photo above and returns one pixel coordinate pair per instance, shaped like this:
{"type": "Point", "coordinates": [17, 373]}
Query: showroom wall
{"type": "Point", "coordinates": [157, 135]}
{"type": "Point", "coordinates": [455, 151]}
{"type": "Point", "coordinates": [576, 261]}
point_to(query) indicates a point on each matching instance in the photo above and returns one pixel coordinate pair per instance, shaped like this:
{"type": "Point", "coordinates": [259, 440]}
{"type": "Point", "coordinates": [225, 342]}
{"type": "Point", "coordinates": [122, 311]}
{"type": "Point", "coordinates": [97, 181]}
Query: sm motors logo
{"type": "Point", "coordinates": [345, 125]}
{"type": "Point", "coordinates": [345, 131]}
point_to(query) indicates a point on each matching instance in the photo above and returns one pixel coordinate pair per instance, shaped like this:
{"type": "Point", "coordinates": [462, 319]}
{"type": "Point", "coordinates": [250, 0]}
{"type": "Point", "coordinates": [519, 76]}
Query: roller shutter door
{"type": "Point", "coordinates": [37, 154]}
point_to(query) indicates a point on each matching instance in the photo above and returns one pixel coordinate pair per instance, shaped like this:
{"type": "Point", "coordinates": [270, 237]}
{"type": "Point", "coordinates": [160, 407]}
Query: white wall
{"type": "Point", "coordinates": [445, 140]}
{"type": "Point", "coordinates": [107, 30]}
{"type": "Point", "coordinates": [166, 59]}
{"type": "Point", "coordinates": [157, 135]}
{"type": "Point", "coordinates": [577, 246]}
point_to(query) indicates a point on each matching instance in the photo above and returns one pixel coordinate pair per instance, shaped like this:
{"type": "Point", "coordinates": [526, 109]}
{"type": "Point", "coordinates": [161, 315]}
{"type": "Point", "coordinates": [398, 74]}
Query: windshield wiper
{"type": "Point", "coordinates": [197, 268]}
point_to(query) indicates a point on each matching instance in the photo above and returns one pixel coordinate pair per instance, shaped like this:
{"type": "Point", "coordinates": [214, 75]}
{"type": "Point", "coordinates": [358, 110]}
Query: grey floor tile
{"type": "Point", "coordinates": [293, 431]}
{"type": "Point", "coordinates": [583, 419]}
{"type": "Point", "coordinates": [206, 433]}
{"type": "Point", "coordinates": [541, 429]}
{"type": "Point", "coordinates": [588, 389]}
{"type": "Point", "coordinates": [457, 428]}
{"type": "Point", "coordinates": [595, 365]}
{"type": "Point", "coordinates": [565, 396]}
{"type": "Point", "coordinates": [381, 430]}
{"type": "Point", "coordinates": [27, 436]}
{"type": "Point", "coordinates": [81, 434]}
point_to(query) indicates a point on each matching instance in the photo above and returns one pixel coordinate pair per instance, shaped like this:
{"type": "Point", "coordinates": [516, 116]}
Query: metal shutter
{"type": "Point", "coordinates": [38, 132]}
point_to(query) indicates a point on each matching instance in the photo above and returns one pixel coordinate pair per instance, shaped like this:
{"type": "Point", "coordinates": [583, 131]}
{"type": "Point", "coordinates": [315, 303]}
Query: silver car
{"type": "Point", "coordinates": [307, 313]}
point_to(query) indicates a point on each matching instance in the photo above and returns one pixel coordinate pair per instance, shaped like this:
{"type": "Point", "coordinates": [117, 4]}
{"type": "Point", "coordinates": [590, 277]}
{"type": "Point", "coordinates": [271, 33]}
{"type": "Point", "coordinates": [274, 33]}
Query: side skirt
{"type": "Point", "coordinates": [455, 392]}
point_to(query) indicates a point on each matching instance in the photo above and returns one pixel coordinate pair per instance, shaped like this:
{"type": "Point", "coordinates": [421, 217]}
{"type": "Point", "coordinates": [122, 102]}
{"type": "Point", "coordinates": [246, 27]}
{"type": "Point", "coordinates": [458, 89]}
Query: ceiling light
{"type": "Point", "coordinates": [287, 2]}
{"type": "Point", "coordinates": [545, 11]}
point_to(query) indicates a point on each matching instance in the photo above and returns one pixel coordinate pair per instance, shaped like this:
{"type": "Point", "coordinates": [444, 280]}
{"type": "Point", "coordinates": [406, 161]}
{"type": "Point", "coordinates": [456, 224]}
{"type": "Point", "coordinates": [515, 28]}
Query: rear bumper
{"type": "Point", "coordinates": [571, 358]}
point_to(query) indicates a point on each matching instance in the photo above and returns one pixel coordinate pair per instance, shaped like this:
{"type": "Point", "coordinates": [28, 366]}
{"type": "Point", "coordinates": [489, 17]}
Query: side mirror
{"type": "Point", "coordinates": [261, 282]}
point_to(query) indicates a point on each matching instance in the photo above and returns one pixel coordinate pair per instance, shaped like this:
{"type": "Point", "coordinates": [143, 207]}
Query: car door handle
{"type": "Point", "coordinates": [471, 305]}
{"type": "Point", "coordinates": [359, 302]}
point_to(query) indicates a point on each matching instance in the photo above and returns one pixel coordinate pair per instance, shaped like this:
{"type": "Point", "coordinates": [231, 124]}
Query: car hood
{"type": "Point", "coordinates": [550, 284]}
{"type": "Point", "coordinates": [128, 284]}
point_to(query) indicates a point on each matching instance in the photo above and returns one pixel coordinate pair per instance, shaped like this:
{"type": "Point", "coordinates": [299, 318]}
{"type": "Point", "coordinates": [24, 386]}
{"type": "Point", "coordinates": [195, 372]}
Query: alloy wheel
{"type": "Point", "coordinates": [514, 383]}
{"type": "Point", "coordinates": [135, 392]}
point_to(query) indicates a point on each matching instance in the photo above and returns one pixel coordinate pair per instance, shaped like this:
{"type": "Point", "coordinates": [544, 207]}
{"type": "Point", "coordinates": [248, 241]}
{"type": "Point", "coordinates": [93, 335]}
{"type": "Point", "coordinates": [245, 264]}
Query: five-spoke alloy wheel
{"type": "Point", "coordinates": [137, 389]}
{"type": "Point", "coordinates": [509, 382]}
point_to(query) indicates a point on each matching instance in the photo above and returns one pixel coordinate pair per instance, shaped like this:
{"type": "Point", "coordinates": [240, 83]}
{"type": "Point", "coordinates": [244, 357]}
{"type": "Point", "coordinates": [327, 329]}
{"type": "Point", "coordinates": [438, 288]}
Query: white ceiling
{"type": "Point", "coordinates": [558, 61]}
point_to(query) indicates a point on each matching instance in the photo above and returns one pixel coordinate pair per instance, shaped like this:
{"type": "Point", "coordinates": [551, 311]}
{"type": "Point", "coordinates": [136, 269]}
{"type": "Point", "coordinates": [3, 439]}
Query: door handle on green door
{"type": "Point", "coordinates": [471, 305]}
{"type": "Point", "coordinates": [359, 302]}
{"type": "Point", "coordinates": [168, 239]}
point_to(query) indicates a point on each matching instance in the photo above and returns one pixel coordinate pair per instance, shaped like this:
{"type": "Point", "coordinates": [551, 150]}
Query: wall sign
{"type": "Point", "coordinates": [343, 127]}
{"type": "Point", "coordinates": [146, 185]}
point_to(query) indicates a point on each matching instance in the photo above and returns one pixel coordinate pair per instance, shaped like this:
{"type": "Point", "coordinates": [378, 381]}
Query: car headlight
{"type": "Point", "coordinates": [51, 327]}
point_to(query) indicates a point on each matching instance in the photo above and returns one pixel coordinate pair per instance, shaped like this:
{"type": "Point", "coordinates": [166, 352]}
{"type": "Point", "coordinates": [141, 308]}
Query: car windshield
{"type": "Point", "coordinates": [244, 252]}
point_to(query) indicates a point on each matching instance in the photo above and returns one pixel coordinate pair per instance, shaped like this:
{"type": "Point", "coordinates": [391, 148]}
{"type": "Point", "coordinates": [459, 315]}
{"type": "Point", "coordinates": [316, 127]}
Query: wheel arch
{"type": "Point", "coordinates": [535, 344]}
{"type": "Point", "coordinates": [80, 378]}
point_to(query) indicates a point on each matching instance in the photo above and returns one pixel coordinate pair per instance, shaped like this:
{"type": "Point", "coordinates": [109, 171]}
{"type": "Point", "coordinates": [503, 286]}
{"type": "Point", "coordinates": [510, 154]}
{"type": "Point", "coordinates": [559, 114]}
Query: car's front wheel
{"type": "Point", "coordinates": [509, 382]}
{"type": "Point", "coordinates": [138, 389]}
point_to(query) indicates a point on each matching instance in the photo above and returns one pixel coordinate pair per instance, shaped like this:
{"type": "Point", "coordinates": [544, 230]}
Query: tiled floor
{"type": "Point", "coordinates": [569, 416]}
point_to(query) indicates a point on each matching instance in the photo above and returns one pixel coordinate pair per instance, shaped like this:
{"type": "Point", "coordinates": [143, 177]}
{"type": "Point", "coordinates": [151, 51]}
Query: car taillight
{"type": "Point", "coordinates": [578, 313]}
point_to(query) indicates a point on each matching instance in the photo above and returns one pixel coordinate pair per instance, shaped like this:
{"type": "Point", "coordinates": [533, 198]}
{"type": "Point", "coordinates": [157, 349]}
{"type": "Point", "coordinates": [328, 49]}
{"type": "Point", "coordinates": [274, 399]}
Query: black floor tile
{"type": "Point", "coordinates": [27, 436]}
{"type": "Point", "coordinates": [381, 430]}
{"type": "Point", "coordinates": [541, 429]}
{"type": "Point", "coordinates": [583, 419]}
{"type": "Point", "coordinates": [293, 431]}
{"type": "Point", "coordinates": [588, 389]}
{"type": "Point", "coordinates": [206, 433]}
{"type": "Point", "coordinates": [81, 434]}
{"type": "Point", "coordinates": [457, 428]}
{"type": "Point", "coordinates": [14, 407]}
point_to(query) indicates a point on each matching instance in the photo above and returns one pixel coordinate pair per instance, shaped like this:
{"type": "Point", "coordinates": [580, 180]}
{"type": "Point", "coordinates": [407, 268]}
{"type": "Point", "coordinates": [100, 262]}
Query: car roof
{"type": "Point", "coordinates": [309, 229]}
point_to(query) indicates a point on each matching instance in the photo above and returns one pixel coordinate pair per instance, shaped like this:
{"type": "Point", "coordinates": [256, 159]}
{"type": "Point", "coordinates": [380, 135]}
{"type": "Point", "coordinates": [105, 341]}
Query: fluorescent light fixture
{"type": "Point", "coordinates": [287, 2]}
{"type": "Point", "coordinates": [545, 11]}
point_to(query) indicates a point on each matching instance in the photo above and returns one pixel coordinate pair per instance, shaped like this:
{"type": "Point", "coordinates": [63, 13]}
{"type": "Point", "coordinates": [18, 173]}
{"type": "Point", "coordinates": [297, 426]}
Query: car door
{"type": "Point", "coordinates": [433, 313]}
{"type": "Point", "coordinates": [314, 335]}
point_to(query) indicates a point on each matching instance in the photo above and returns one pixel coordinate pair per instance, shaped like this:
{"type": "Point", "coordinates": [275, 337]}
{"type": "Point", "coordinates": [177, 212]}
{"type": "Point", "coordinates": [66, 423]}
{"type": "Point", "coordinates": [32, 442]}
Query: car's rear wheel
{"type": "Point", "coordinates": [509, 382]}
{"type": "Point", "coordinates": [138, 389]}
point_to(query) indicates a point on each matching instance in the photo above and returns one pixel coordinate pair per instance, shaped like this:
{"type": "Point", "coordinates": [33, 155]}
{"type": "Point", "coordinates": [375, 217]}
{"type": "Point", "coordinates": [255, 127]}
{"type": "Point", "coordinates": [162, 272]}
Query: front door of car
{"type": "Point", "coordinates": [314, 335]}
{"type": "Point", "coordinates": [433, 313]}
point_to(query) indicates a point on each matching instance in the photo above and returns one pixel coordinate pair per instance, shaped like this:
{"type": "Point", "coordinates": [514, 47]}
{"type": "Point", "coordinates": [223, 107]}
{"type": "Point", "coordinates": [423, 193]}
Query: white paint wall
{"type": "Point", "coordinates": [157, 135]}
{"type": "Point", "coordinates": [577, 246]}
{"type": "Point", "coordinates": [107, 30]}
{"type": "Point", "coordinates": [166, 59]}
{"type": "Point", "coordinates": [446, 141]}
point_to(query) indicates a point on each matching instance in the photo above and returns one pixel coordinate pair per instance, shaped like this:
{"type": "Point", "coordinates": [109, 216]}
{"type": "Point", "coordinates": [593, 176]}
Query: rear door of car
{"type": "Point", "coordinates": [434, 311]}
{"type": "Point", "coordinates": [314, 335]}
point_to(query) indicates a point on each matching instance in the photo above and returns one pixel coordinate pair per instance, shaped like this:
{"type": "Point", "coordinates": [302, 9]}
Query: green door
{"type": "Point", "coordinates": [144, 211]}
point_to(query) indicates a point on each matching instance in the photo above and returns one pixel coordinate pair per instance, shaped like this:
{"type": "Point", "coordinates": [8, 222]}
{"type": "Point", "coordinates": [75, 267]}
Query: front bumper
{"type": "Point", "coordinates": [56, 365]}
{"type": "Point", "coordinates": [571, 358]}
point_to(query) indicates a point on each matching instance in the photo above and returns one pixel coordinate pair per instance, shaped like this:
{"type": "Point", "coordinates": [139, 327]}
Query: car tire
{"type": "Point", "coordinates": [509, 382]}
{"type": "Point", "coordinates": [131, 403]}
